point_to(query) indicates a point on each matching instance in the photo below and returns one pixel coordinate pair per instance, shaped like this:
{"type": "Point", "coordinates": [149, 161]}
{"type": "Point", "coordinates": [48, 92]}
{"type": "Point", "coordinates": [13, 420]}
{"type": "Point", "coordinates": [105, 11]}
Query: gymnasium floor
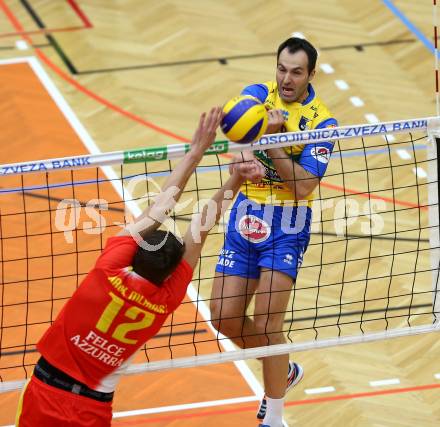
{"type": "Point", "coordinates": [149, 69]}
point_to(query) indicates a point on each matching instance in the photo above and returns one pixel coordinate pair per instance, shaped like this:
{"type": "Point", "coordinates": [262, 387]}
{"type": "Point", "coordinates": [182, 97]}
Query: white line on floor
{"type": "Point", "coordinates": [391, 381]}
{"type": "Point", "coordinates": [419, 172]}
{"type": "Point", "coordinates": [403, 154]}
{"type": "Point", "coordinates": [327, 68]}
{"type": "Point", "coordinates": [371, 118]}
{"type": "Point", "coordinates": [184, 406]}
{"type": "Point", "coordinates": [319, 390]}
{"type": "Point", "coordinates": [342, 84]}
{"type": "Point", "coordinates": [356, 101]}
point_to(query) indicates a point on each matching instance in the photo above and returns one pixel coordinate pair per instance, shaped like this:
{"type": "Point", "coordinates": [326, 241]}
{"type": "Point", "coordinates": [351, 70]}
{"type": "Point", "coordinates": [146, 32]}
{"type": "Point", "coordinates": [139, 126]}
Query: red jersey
{"type": "Point", "coordinates": [110, 316]}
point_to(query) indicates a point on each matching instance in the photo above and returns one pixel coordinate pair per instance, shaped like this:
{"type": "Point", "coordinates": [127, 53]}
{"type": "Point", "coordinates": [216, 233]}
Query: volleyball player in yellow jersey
{"type": "Point", "coordinates": [269, 226]}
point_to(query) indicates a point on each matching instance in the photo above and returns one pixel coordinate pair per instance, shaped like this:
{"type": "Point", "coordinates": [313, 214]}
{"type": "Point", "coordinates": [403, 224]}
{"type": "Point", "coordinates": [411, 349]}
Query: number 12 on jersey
{"type": "Point", "coordinates": [109, 314]}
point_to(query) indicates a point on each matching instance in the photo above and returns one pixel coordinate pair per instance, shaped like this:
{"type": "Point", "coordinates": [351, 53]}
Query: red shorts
{"type": "Point", "coordinates": [44, 405]}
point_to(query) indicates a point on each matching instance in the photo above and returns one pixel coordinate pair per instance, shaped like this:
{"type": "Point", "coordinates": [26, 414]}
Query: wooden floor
{"type": "Point", "coordinates": [138, 74]}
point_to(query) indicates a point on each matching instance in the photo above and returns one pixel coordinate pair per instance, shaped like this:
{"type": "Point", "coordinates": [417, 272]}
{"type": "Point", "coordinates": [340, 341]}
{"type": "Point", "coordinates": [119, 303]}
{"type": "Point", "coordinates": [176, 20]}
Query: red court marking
{"type": "Point", "coordinates": [151, 125]}
{"type": "Point", "coordinates": [287, 404]}
{"type": "Point", "coordinates": [74, 5]}
{"type": "Point", "coordinates": [81, 15]}
{"type": "Point", "coordinates": [372, 196]}
{"type": "Point", "coordinates": [436, 53]}
{"type": "Point", "coordinates": [103, 101]}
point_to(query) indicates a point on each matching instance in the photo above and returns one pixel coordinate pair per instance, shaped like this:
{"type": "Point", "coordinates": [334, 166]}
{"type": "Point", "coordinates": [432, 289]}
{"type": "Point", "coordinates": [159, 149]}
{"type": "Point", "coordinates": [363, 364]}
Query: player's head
{"type": "Point", "coordinates": [157, 264]}
{"type": "Point", "coordinates": [296, 62]}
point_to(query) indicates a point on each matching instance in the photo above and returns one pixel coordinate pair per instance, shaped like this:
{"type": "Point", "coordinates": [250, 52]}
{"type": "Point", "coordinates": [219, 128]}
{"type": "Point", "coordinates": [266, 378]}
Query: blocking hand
{"type": "Point", "coordinates": [205, 133]}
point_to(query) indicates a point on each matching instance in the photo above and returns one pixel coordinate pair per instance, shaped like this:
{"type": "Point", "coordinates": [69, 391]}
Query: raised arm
{"type": "Point", "coordinates": [212, 211]}
{"type": "Point", "coordinates": [300, 181]}
{"type": "Point", "coordinates": [154, 215]}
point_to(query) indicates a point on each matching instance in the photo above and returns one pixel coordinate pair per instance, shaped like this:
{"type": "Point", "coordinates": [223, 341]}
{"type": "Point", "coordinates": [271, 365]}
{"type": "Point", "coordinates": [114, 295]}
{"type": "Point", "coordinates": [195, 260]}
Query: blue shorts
{"type": "Point", "coordinates": [273, 237]}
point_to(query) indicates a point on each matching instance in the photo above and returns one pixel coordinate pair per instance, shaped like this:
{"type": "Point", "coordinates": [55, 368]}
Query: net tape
{"type": "Point", "coordinates": [176, 151]}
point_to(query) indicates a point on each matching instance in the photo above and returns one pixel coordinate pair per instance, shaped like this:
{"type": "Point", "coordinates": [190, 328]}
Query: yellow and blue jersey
{"type": "Point", "coordinates": [300, 116]}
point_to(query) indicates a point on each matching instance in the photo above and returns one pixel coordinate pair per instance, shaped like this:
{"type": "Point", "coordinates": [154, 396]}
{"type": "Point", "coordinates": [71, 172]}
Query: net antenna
{"type": "Point", "coordinates": [436, 68]}
{"type": "Point", "coordinates": [374, 248]}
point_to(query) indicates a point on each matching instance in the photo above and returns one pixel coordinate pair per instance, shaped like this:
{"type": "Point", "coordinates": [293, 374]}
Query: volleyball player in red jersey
{"type": "Point", "coordinates": [139, 279]}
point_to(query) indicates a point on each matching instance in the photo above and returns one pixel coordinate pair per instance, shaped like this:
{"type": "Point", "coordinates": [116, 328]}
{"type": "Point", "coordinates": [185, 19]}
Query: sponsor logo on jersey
{"type": "Point", "coordinates": [253, 229]}
{"type": "Point", "coordinates": [288, 259]}
{"type": "Point", "coordinates": [226, 258]}
{"type": "Point", "coordinates": [303, 123]}
{"type": "Point", "coordinates": [322, 154]}
{"type": "Point", "coordinates": [270, 171]}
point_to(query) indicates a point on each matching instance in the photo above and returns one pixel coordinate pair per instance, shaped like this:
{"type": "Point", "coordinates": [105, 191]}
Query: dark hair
{"type": "Point", "coordinates": [294, 44]}
{"type": "Point", "coordinates": [156, 265]}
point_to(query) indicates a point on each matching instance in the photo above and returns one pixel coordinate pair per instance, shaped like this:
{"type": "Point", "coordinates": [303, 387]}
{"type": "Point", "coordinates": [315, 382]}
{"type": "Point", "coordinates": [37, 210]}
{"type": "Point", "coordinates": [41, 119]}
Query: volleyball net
{"type": "Point", "coordinates": [371, 270]}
